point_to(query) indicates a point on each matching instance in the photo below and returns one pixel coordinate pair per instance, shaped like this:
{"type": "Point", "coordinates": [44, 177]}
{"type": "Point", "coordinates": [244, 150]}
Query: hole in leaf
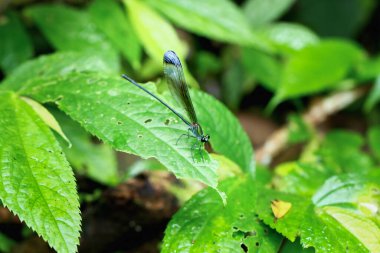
{"type": "Point", "coordinates": [167, 122]}
{"type": "Point", "coordinates": [119, 123]}
{"type": "Point", "coordinates": [59, 98]}
{"type": "Point", "coordinates": [244, 247]}
{"type": "Point", "coordinates": [147, 121]}
{"type": "Point", "coordinates": [139, 135]}
{"type": "Point", "coordinates": [257, 244]}
{"type": "Point", "coordinates": [128, 103]}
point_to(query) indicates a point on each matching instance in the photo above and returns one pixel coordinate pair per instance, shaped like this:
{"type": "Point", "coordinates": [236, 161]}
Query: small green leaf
{"type": "Point", "coordinates": [46, 117]}
{"type": "Point", "coordinates": [68, 29]}
{"type": "Point", "coordinates": [15, 46]}
{"type": "Point", "coordinates": [154, 32]}
{"type": "Point", "coordinates": [317, 68]}
{"type": "Point", "coordinates": [97, 161]}
{"type": "Point", "coordinates": [373, 140]}
{"type": "Point", "coordinates": [342, 151]}
{"type": "Point", "coordinates": [57, 64]}
{"type": "Point", "coordinates": [299, 131]}
{"type": "Point", "coordinates": [374, 96]}
{"type": "Point", "coordinates": [287, 38]}
{"type": "Point", "coordinates": [205, 225]}
{"type": "Point", "coordinates": [129, 120]}
{"type": "Point", "coordinates": [216, 19]}
{"type": "Point", "coordinates": [328, 227]}
{"type": "Point", "coordinates": [301, 178]}
{"type": "Point", "coordinates": [260, 12]}
{"type": "Point", "coordinates": [36, 182]}
{"type": "Point", "coordinates": [368, 69]}
{"type": "Point", "coordinates": [111, 20]}
{"type": "Point", "coordinates": [263, 67]}
{"type": "Point", "coordinates": [6, 243]}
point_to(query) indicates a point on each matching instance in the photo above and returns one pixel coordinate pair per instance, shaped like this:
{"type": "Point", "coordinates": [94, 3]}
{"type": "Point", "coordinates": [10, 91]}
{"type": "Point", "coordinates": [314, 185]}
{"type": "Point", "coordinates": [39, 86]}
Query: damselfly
{"type": "Point", "coordinates": [177, 85]}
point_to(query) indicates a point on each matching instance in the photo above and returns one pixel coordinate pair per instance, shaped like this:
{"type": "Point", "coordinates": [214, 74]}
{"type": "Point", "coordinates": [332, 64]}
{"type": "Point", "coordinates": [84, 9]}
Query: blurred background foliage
{"type": "Point", "coordinates": [267, 60]}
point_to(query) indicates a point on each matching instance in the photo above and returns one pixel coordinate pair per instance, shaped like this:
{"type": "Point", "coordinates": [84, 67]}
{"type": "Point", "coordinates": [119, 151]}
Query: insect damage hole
{"type": "Point", "coordinates": [244, 247]}
{"type": "Point", "coordinates": [147, 121]}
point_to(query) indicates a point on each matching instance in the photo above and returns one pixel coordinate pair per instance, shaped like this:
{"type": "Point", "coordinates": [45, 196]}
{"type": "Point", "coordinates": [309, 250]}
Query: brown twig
{"type": "Point", "coordinates": [318, 112]}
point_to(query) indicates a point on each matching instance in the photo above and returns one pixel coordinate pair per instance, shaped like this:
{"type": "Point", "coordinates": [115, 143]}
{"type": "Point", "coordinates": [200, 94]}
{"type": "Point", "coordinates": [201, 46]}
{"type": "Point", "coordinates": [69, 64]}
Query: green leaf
{"type": "Point", "coordinates": [128, 119]}
{"type": "Point", "coordinates": [15, 46]}
{"type": "Point", "coordinates": [154, 32]}
{"type": "Point", "coordinates": [216, 19]}
{"type": "Point", "coordinates": [203, 224]}
{"type": "Point", "coordinates": [97, 161]}
{"type": "Point", "coordinates": [6, 243]}
{"type": "Point", "coordinates": [261, 12]}
{"type": "Point", "coordinates": [327, 228]}
{"type": "Point", "coordinates": [317, 68]}
{"type": "Point", "coordinates": [368, 69]}
{"type": "Point", "coordinates": [263, 67]}
{"type": "Point", "coordinates": [227, 135]}
{"type": "Point", "coordinates": [111, 20]}
{"type": "Point", "coordinates": [36, 182]}
{"type": "Point", "coordinates": [57, 64]}
{"type": "Point", "coordinates": [46, 117]}
{"type": "Point", "coordinates": [374, 96]}
{"type": "Point", "coordinates": [287, 38]}
{"type": "Point", "coordinates": [299, 131]}
{"type": "Point", "coordinates": [68, 29]}
{"type": "Point", "coordinates": [373, 141]}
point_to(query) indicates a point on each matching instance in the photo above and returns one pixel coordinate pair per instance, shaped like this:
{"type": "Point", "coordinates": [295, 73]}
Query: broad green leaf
{"type": "Point", "coordinates": [327, 228]}
{"type": "Point", "coordinates": [261, 12]}
{"type": "Point", "coordinates": [57, 64]}
{"type": "Point", "coordinates": [154, 32]}
{"type": "Point", "coordinates": [216, 19]}
{"type": "Point", "coordinates": [227, 135]}
{"type": "Point", "coordinates": [374, 96]}
{"type": "Point", "coordinates": [317, 68]}
{"type": "Point", "coordinates": [68, 29]}
{"type": "Point", "coordinates": [46, 117]}
{"type": "Point", "coordinates": [373, 141]}
{"type": "Point", "coordinates": [203, 224]}
{"type": "Point", "coordinates": [128, 119]}
{"type": "Point", "coordinates": [111, 20]}
{"type": "Point", "coordinates": [97, 161]}
{"type": "Point", "coordinates": [332, 18]}
{"type": "Point", "coordinates": [36, 182]}
{"type": "Point", "coordinates": [287, 38]}
{"type": "Point", "coordinates": [15, 46]}
{"type": "Point", "coordinates": [263, 67]}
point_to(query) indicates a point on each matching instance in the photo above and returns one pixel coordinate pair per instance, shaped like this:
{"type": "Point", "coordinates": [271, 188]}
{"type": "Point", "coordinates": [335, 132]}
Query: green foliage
{"type": "Point", "coordinates": [111, 20]}
{"type": "Point", "coordinates": [76, 91]}
{"type": "Point", "coordinates": [205, 225]}
{"type": "Point", "coordinates": [37, 183]}
{"type": "Point", "coordinates": [69, 29]}
{"type": "Point", "coordinates": [304, 75]}
{"type": "Point", "coordinates": [261, 12]}
{"type": "Point", "coordinates": [96, 161]}
{"type": "Point", "coordinates": [15, 46]}
{"type": "Point", "coordinates": [216, 19]}
{"type": "Point", "coordinates": [328, 222]}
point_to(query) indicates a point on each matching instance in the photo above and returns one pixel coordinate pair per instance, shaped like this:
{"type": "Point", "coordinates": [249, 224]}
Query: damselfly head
{"type": "Point", "coordinates": [205, 138]}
